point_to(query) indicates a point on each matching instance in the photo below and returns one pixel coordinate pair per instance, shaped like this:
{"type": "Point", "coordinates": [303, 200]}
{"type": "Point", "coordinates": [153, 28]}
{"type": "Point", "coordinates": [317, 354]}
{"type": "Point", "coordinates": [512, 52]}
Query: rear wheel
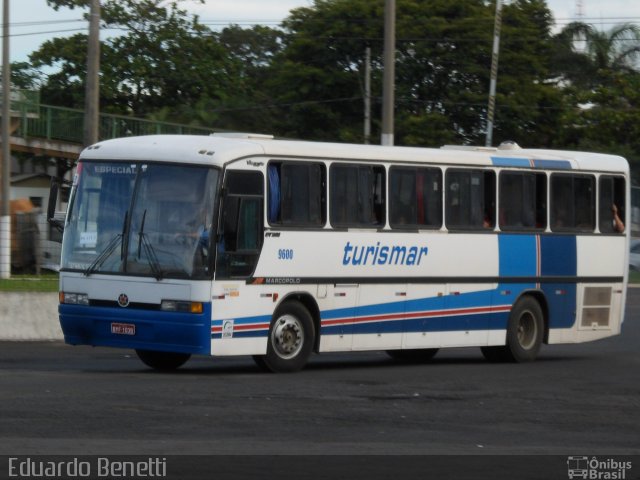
{"type": "Point", "coordinates": [291, 339]}
{"type": "Point", "coordinates": [525, 331]}
{"type": "Point", "coordinates": [413, 354]}
{"type": "Point", "coordinates": [164, 361]}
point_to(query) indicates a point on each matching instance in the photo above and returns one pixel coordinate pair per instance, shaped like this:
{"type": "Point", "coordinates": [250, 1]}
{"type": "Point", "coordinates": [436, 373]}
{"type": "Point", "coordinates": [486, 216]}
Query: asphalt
{"type": "Point", "coordinates": [575, 399]}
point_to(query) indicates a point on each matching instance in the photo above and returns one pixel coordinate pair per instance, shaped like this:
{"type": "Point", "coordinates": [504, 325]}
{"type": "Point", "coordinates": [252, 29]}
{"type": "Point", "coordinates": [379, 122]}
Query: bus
{"type": "Point", "coordinates": [242, 244]}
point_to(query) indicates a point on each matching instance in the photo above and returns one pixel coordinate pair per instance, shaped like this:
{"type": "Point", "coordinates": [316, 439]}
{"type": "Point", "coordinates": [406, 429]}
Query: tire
{"type": "Point", "coordinates": [163, 361]}
{"type": "Point", "coordinates": [524, 334]}
{"type": "Point", "coordinates": [525, 331]}
{"type": "Point", "coordinates": [291, 339]}
{"type": "Point", "coordinates": [413, 354]}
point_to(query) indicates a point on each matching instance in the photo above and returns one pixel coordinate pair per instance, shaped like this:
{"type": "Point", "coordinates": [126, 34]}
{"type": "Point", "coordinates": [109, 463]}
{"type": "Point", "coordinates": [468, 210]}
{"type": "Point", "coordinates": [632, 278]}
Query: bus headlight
{"type": "Point", "coordinates": [73, 298]}
{"type": "Point", "coordinates": [180, 306]}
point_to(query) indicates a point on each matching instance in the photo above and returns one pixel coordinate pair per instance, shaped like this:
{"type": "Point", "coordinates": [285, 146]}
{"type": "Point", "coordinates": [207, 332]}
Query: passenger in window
{"type": "Point", "coordinates": [618, 224]}
{"type": "Point", "coordinates": [561, 219]}
{"type": "Point", "coordinates": [486, 221]}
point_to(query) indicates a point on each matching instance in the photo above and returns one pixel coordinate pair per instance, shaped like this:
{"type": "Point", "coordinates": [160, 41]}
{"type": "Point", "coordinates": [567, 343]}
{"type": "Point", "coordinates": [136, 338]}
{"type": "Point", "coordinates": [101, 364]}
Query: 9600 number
{"type": "Point", "coordinates": [285, 254]}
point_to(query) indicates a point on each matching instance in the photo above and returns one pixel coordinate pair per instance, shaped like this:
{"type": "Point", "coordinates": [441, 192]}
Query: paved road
{"type": "Point", "coordinates": [576, 399]}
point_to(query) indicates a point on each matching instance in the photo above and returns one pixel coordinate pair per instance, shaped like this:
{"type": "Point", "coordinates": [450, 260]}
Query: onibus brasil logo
{"type": "Point", "coordinates": [597, 469]}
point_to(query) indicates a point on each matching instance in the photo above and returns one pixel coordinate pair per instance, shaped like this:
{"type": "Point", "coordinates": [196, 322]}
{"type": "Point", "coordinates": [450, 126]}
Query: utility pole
{"type": "Point", "coordinates": [92, 91]}
{"type": "Point", "coordinates": [367, 95]}
{"type": "Point", "coordinates": [388, 94]}
{"type": "Point", "coordinates": [494, 73]}
{"type": "Point", "coordinates": [5, 217]}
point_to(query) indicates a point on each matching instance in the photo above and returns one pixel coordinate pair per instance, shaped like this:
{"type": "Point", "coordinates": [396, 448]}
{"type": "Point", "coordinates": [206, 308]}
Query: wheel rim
{"type": "Point", "coordinates": [287, 336]}
{"type": "Point", "coordinates": [527, 330]}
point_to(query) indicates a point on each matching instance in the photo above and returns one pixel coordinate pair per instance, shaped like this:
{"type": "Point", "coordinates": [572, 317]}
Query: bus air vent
{"type": "Point", "coordinates": [596, 307]}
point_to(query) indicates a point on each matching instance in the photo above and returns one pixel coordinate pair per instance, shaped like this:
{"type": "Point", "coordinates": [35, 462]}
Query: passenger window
{"type": "Point", "coordinates": [415, 197]}
{"type": "Point", "coordinates": [523, 201]}
{"type": "Point", "coordinates": [296, 194]}
{"type": "Point", "coordinates": [572, 203]}
{"type": "Point", "coordinates": [357, 196]}
{"type": "Point", "coordinates": [470, 199]}
{"type": "Point", "coordinates": [240, 238]}
{"type": "Point", "coordinates": [612, 204]}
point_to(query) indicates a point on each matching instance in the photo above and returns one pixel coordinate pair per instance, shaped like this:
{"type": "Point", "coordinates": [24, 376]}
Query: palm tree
{"type": "Point", "coordinates": [587, 56]}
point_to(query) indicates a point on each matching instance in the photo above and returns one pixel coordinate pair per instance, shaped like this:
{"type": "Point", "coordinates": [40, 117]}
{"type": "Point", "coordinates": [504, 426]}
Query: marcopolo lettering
{"type": "Point", "coordinates": [362, 255]}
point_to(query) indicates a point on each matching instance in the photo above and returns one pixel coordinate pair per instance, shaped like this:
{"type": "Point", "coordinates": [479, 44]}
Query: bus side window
{"type": "Point", "coordinates": [240, 238]}
{"type": "Point", "coordinates": [523, 198]}
{"type": "Point", "coordinates": [415, 197]}
{"type": "Point", "coordinates": [572, 203]}
{"type": "Point", "coordinates": [357, 196]}
{"type": "Point", "coordinates": [611, 202]}
{"type": "Point", "coordinates": [470, 199]}
{"type": "Point", "coordinates": [296, 194]}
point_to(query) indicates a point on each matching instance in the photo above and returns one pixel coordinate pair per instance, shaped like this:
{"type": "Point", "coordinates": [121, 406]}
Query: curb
{"type": "Point", "coordinates": [29, 316]}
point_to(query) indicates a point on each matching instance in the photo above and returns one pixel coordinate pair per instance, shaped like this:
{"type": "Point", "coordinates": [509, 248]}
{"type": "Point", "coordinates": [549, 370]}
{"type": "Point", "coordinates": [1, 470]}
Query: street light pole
{"type": "Point", "coordinates": [92, 89]}
{"type": "Point", "coordinates": [388, 94]}
{"type": "Point", "coordinates": [5, 217]}
{"type": "Point", "coordinates": [494, 73]}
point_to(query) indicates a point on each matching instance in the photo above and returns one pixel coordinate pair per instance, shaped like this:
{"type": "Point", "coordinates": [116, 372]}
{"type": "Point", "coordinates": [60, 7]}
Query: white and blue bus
{"type": "Point", "coordinates": [240, 244]}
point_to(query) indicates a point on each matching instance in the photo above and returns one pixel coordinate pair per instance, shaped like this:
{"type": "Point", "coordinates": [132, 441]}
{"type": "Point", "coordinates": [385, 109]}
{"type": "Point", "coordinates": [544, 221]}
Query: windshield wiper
{"type": "Point", "coordinates": [149, 251]}
{"type": "Point", "coordinates": [108, 250]}
{"type": "Point", "coordinates": [106, 253]}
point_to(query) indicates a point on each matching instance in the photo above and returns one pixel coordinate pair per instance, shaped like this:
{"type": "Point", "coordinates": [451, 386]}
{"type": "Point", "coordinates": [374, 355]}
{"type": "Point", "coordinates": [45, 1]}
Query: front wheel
{"type": "Point", "coordinates": [163, 361]}
{"type": "Point", "coordinates": [291, 339]}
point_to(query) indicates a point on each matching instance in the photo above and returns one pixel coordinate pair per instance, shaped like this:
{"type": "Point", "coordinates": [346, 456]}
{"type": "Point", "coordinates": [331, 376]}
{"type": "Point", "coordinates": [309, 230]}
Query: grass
{"type": "Point", "coordinates": [47, 282]}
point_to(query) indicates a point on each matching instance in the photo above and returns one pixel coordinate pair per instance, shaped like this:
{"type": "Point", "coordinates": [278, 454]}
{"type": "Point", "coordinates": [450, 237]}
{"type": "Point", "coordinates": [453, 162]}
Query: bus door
{"type": "Point", "coordinates": [239, 242]}
{"type": "Point", "coordinates": [424, 307]}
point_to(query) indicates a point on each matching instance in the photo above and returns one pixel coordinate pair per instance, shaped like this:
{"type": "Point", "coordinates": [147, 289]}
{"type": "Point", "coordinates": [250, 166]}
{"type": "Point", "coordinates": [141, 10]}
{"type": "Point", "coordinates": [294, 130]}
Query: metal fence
{"type": "Point", "coordinates": [65, 124]}
{"type": "Point", "coordinates": [35, 254]}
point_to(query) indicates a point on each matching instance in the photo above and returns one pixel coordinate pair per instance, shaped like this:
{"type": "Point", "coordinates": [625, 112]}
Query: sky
{"type": "Point", "coordinates": [33, 22]}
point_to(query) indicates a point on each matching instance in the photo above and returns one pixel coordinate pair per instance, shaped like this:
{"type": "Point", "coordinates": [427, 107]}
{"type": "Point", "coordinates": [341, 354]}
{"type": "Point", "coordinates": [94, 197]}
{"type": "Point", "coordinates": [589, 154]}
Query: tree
{"type": "Point", "coordinates": [442, 70]}
{"type": "Point", "coordinates": [315, 82]}
{"type": "Point", "coordinates": [165, 59]}
{"type": "Point", "coordinates": [584, 54]}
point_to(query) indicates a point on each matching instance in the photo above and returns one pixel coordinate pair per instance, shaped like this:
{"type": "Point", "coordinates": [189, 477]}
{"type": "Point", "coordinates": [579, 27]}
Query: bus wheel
{"type": "Point", "coordinates": [525, 330]}
{"type": "Point", "coordinates": [162, 360]}
{"type": "Point", "coordinates": [291, 338]}
{"type": "Point", "coordinates": [413, 354]}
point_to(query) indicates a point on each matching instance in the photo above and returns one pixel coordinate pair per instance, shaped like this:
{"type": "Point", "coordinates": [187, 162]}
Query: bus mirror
{"type": "Point", "coordinates": [53, 198]}
{"type": "Point", "coordinates": [56, 187]}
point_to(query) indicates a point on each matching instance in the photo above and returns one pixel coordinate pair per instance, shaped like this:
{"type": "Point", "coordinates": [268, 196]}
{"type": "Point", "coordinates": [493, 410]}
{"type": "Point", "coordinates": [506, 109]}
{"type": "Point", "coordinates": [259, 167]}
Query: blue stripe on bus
{"type": "Point", "coordinates": [534, 163]}
{"type": "Point", "coordinates": [559, 255]}
{"type": "Point", "coordinates": [518, 257]}
{"type": "Point", "coordinates": [553, 164]}
{"type": "Point", "coordinates": [154, 330]}
{"type": "Point", "coordinates": [510, 162]}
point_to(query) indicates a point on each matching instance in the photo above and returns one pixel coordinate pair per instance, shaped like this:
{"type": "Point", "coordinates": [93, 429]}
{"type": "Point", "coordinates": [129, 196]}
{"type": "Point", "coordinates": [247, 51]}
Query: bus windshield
{"type": "Point", "coordinates": [144, 219]}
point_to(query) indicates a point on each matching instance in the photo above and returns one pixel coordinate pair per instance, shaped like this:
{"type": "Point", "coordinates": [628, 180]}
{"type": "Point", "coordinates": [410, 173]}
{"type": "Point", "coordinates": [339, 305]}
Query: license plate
{"type": "Point", "coordinates": [123, 329]}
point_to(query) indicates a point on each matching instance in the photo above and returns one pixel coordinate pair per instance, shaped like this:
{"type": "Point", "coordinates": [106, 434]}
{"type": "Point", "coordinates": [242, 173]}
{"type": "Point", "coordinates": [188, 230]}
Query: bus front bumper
{"type": "Point", "coordinates": [137, 328]}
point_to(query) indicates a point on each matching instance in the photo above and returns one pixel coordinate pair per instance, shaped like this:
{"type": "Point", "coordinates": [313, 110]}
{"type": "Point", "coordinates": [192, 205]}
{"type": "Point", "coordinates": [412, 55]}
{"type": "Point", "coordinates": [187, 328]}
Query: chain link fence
{"type": "Point", "coordinates": [35, 254]}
